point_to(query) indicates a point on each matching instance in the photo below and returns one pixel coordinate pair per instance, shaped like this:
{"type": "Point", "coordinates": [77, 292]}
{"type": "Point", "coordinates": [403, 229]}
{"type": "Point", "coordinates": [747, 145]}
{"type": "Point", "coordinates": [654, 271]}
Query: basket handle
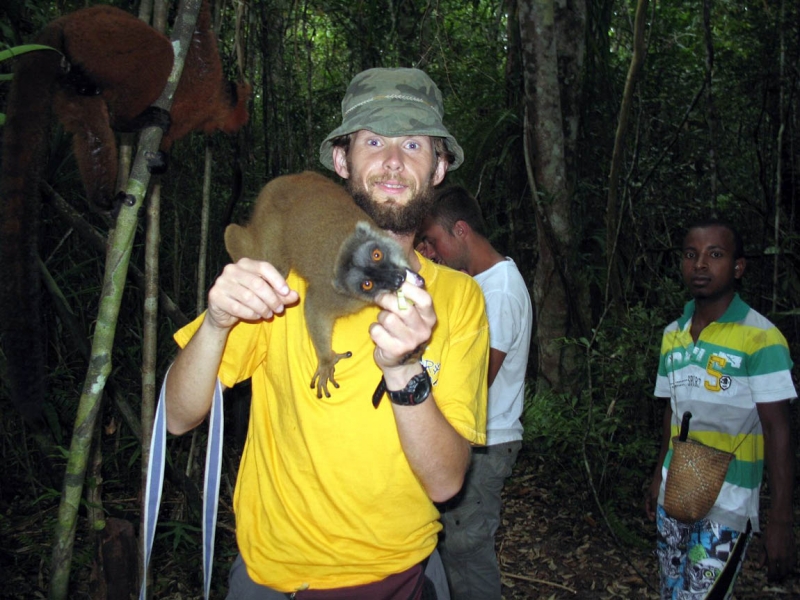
{"type": "Point", "coordinates": [685, 426]}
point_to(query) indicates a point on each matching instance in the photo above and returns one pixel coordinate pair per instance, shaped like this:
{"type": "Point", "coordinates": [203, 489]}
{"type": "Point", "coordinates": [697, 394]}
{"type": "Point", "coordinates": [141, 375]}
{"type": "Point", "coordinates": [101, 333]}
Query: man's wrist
{"type": "Point", "coordinates": [210, 324]}
{"type": "Point", "coordinates": [397, 378]}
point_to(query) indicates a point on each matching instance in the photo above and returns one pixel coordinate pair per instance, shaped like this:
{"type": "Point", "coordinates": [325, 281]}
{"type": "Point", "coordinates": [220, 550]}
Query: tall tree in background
{"type": "Point", "coordinates": [518, 198]}
{"type": "Point", "coordinates": [613, 220]}
{"type": "Point", "coordinates": [553, 43]}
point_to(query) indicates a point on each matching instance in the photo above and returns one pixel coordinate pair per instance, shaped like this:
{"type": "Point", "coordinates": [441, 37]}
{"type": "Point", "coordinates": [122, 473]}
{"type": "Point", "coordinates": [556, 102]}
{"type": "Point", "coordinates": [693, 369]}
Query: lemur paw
{"type": "Point", "coordinates": [324, 374]}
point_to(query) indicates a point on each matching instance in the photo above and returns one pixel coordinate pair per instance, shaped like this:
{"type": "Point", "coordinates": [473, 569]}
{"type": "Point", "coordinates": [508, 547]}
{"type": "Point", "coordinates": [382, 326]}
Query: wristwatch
{"type": "Point", "coordinates": [416, 391]}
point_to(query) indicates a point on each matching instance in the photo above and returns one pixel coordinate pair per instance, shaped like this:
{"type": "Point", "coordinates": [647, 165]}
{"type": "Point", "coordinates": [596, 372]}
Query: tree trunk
{"type": "Point", "coordinates": [613, 218]}
{"type": "Point", "coordinates": [516, 177]}
{"type": "Point", "coordinates": [548, 139]}
{"type": "Point", "coordinates": [150, 309]}
{"type": "Point", "coordinates": [277, 144]}
{"type": "Point", "coordinates": [779, 157]}
{"type": "Point", "coordinates": [205, 212]}
{"type": "Point", "coordinates": [711, 111]}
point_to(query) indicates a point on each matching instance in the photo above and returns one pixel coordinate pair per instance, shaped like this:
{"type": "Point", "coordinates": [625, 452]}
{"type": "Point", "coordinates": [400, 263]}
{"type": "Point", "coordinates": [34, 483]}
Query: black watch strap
{"type": "Point", "coordinates": [416, 391]}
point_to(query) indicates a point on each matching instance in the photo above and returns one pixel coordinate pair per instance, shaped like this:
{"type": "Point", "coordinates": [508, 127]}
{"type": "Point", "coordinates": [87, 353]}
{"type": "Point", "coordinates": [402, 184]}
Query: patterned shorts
{"type": "Point", "coordinates": [698, 561]}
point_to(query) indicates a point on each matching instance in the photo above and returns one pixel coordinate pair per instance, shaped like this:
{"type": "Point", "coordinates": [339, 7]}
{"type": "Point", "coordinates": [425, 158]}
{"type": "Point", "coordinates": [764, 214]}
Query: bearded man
{"type": "Point", "coordinates": [335, 498]}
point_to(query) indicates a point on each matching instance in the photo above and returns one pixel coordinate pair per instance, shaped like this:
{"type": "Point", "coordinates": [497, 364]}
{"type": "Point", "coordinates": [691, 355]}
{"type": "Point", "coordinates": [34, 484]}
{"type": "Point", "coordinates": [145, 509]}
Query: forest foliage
{"type": "Point", "coordinates": [713, 129]}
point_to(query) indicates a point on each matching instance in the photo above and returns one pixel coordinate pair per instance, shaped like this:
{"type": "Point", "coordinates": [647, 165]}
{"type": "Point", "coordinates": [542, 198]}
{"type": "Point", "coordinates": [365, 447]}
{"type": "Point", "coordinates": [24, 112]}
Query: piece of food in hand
{"type": "Point", "coordinates": [402, 302]}
{"type": "Point", "coordinates": [414, 278]}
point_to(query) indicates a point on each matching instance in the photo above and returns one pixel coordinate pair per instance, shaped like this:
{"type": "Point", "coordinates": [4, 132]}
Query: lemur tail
{"type": "Point", "coordinates": [24, 144]}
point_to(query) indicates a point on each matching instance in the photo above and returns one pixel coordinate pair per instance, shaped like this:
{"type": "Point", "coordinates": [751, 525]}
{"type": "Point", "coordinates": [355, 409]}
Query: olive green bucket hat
{"type": "Point", "coordinates": [393, 103]}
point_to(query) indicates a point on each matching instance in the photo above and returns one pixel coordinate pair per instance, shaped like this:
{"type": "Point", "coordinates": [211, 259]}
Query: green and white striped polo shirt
{"type": "Point", "coordinates": [738, 361]}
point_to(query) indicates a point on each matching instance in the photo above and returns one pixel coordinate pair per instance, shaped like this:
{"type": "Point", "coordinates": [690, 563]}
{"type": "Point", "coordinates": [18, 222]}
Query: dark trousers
{"type": "Point", "coordinates": [470, 522]}
{"type": "Point", "coordinates": [242, 587]}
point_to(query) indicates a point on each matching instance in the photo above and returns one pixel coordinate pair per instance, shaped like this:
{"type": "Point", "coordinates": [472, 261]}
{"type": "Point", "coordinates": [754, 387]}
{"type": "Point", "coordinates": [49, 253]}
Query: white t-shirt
{"type": "Point", "coordinates": [508, 307]}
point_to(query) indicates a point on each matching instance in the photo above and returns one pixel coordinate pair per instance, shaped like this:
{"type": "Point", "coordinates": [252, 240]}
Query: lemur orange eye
{"type": "Point", "coordinates": [366, 285]}
{"type": "Point", "coordinates": [377, 255]}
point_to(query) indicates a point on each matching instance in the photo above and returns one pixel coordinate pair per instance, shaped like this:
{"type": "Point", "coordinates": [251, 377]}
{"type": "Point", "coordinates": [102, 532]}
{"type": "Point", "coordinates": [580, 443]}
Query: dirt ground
{"type": "Point", "coordinates": [553, 545]}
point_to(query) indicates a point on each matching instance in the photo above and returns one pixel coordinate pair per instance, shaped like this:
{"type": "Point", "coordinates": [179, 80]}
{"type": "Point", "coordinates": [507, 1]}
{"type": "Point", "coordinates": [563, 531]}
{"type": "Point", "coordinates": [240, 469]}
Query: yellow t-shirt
{"type": "Point", "coordinates": [325, 496]}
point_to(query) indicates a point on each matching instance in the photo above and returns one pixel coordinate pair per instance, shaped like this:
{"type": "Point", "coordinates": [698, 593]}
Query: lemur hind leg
{"type": "Point", "coordinates": [320, 329]}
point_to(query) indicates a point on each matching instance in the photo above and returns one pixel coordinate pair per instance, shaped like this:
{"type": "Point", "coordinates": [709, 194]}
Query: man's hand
{"type": "Point", "coordinates": [399, 332]}
{"type": "Point", "coordinates": [247, 290]}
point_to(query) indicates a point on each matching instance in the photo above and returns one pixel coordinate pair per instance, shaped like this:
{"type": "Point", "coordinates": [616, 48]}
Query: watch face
{"type": "Point", "coordinates": [416, 392]}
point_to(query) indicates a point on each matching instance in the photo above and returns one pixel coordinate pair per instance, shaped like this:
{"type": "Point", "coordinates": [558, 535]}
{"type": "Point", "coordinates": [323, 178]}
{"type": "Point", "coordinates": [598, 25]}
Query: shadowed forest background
{"type": "Point", "coordinates": [594, 133]}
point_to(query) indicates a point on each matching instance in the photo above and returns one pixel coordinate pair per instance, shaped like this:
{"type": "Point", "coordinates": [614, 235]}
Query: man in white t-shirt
{"type": "Point", "coordinates": [454, 234]}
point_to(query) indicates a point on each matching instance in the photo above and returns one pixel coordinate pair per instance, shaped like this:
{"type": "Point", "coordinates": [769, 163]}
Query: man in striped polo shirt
{"type": "Point", "coordinates": [730, 367]}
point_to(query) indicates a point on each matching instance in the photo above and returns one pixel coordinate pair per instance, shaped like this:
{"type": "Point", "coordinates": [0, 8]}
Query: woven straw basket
{"type": "Point", "coordinates": [694, 479]}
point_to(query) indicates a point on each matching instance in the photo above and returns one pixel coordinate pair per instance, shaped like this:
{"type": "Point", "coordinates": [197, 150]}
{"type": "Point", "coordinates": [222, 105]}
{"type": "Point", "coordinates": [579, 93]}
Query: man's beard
{"type": "Point", "coordinates": [397, 218]}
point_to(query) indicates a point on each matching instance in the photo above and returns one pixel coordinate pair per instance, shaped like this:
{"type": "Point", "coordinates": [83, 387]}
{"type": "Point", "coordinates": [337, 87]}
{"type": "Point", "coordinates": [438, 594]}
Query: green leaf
{"type": "Point", "coordinates": [20, 50]}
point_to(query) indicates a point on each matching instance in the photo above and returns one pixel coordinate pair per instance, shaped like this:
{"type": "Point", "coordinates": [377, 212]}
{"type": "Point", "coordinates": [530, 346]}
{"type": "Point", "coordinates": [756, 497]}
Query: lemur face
{"type": "Point", "coordinates": [370, 263]}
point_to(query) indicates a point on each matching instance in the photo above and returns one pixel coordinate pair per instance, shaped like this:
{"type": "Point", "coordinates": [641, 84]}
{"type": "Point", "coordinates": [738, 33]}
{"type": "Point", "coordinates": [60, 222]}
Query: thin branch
{"type": "Point", "coordinates": [535, 580]}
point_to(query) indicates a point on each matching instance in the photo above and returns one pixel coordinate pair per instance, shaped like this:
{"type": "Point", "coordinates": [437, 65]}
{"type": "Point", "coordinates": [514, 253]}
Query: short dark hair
{"type": "Point", "coordinates": [738, 242]}
{"type": "Point", "coordinates": [454, 203]}
{"type": "Point", "coordinates": [441, 150]}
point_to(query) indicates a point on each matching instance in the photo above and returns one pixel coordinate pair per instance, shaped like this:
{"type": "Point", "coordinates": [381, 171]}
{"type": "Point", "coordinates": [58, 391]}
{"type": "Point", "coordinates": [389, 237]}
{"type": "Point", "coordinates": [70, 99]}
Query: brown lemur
{"type": "Point", "coordinates": [109, 69]}
{"type": "Point", "coordinates": [310, 224]}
